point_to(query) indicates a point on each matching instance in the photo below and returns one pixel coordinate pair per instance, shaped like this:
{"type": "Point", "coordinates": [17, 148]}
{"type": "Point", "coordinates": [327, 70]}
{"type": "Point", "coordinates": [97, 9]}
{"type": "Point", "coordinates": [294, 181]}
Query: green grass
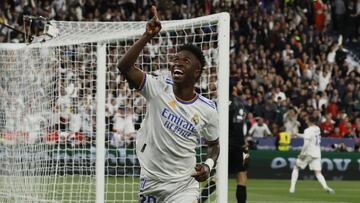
{"type": "Point", "coordinates": [76, 189]}
{"type": "Point", "coordinates": [309, 191]}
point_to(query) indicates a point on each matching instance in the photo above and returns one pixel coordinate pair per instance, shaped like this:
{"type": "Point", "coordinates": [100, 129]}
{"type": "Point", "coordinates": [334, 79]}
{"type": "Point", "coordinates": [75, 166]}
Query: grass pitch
{"type": "Point", "coordinates": [307, 191]}
{"type": "Point", "coordinates": [260, 191]}
{"type": "Point", "coordinates": [124, 189]}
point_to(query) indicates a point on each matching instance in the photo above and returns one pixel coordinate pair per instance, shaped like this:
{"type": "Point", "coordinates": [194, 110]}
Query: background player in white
{"type": "Point", "coordinates": [176, 116]}
{"type": "Point", "coordinates": [310, 155]}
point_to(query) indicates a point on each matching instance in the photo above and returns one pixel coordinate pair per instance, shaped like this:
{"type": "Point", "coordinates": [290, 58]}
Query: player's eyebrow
{"type": "Point", "coordinates": [187, 59]}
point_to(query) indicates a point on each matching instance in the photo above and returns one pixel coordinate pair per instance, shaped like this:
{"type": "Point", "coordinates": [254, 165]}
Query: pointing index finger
{"type": "Point", "coordinates": [154, 12]}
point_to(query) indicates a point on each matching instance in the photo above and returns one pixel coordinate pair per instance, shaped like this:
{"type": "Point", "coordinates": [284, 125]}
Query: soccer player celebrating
{"type": "Point", "coordinates": [176, 116]}
{"type": "Point", "coordinates": [310, 155]}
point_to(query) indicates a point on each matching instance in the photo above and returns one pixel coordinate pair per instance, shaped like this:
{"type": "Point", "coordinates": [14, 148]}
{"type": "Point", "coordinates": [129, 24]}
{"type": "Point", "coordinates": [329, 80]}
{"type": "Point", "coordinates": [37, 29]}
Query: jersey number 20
{"type": "Point", "coordinates": [147, 199]}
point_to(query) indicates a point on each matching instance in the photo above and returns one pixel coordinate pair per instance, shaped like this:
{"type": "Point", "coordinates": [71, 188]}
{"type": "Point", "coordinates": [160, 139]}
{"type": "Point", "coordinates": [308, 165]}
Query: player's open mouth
{"type": "Point", "coordinates": [178, 73]}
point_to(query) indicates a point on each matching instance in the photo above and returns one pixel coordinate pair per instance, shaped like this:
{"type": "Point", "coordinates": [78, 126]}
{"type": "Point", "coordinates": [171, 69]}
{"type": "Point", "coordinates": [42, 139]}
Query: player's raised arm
{"type": "Point", "coordinates": [126, 63]}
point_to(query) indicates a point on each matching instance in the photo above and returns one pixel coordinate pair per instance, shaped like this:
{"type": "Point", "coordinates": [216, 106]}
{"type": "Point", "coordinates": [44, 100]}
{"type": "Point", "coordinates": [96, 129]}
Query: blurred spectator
{"type": "Point", "coordinates": [320, 15]}
{"type": "Point", "coordinates": [75, 120]}
{"type": "Point", "coordinates": [324, 77]}
{"type": "Point", "coordinates": [76, 139]}
{"type": "Point", "coordinates": [123, 129]}
{"type": "Point", "coordinates": [357, 128]}
{"type": "Point", "coordinates": [52, 136]}
{"type": "Point", "coordinates": [251, 119]}
{"type": "Point", "coordinates": [337, 133]}
{"type": "Point", "coordinates": [291, 123]}
{"type": "Point", "coordinates": [283, 140]}
{"type": "Point", "coordinates": [260, 129]}
{"type": "Point", "coordinates": [110, 110]}
{"type": "Point", "coordinates": [279, 95]}
{"type": "Point", "coordinates": [327, 127]}
{"type": "Point", "coordinates": [63, 107]}
{"type": "Point", "coordinates": [268, 110]}
{"type": "Point", "coordinates": [345, 127]}
{"type": "Point", "coordinates": [340, 11]}
{"type": "Point", "coordinates": [333, 49]}
{"type": "Point", "coordinates": [333, 108]}
{"type": "Point", "coordinates": [353, 21]}
{"type": "Point", "coordinates": [340, 147]}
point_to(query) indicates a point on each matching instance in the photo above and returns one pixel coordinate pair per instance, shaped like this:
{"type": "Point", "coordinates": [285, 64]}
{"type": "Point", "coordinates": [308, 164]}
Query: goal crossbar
{"type": "Point", "coordinates": [71, 33]}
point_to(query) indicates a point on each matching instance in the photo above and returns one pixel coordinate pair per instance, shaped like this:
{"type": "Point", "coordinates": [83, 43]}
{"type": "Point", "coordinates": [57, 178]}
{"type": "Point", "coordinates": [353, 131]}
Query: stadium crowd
{"type": "Point", "coordinates": [287, 61]}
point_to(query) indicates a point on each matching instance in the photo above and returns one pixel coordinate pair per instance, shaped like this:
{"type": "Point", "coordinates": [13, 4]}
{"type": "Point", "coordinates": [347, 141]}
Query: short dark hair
{"type": "Point", "coordinates": [196, 51]}
{"type": "Point", "coordinates": [313, 119]}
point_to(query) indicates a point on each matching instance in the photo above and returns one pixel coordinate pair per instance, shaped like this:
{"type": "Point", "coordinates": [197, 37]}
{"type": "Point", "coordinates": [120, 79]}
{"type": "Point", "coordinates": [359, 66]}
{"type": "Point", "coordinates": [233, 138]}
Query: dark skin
{"type": "Point", "coordinates": [202, 170]}
{"type": "Point", "coordinates": [184, 84]}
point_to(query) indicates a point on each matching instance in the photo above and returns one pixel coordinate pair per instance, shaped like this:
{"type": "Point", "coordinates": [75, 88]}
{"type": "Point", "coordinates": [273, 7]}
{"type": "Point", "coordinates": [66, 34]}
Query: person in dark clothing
{"type": "Point", "coordinates": [238, 150]}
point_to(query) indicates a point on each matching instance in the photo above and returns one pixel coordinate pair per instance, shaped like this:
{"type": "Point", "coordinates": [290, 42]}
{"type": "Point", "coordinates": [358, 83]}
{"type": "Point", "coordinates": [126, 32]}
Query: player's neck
{"type": "Point", "coordinates": [186, 93]}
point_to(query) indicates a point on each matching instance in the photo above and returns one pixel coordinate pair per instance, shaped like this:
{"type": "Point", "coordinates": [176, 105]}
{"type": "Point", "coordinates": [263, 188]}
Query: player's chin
{"type": "Point", "coordinates": [178, 79]}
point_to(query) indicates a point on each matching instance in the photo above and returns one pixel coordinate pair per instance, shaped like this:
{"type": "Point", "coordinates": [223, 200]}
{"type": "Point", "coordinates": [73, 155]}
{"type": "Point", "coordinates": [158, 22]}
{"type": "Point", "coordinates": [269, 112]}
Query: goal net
{"type": "Point", "coordinates": [68, 119]}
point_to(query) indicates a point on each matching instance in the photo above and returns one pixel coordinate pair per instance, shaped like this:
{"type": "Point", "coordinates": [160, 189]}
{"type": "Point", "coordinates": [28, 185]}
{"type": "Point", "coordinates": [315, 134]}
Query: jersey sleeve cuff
{"type": "Point", "coordinates": [141, 87]}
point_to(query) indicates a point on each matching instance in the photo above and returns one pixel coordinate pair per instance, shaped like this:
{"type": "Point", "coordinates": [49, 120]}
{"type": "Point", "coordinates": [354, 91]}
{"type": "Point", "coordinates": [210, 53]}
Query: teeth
{"type": "Point", "coordinates": [177, 71]}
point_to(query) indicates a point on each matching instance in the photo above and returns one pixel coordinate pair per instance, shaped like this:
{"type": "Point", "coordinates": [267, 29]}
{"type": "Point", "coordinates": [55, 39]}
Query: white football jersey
{"type": "Point", "coordinates": [312, 138]}
{"type": "Point", "coordinates": [169, 134]}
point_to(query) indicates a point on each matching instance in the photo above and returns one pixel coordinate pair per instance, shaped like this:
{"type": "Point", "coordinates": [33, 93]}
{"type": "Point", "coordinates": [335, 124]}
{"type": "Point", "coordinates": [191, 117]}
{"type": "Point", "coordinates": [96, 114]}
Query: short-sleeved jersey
{"type": "Point", "coordinates": [169, 133]}
{"type": "Point", "coordinates": [312, 138]}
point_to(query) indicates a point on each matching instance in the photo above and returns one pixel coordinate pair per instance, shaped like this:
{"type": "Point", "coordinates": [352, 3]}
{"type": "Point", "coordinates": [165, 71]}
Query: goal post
{"type": "Point", "coordinates": [223, 106]}
{"type": "Point", "coordinates": [100, 122]}
{"type": "Point", "coordinates": [69, 119]}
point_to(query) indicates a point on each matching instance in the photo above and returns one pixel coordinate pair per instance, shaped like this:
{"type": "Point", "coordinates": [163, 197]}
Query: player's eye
{"type": "Point", "coordinates": [187, 60]}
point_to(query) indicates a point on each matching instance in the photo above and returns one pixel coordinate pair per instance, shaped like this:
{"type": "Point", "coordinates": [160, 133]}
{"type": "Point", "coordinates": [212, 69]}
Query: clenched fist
{"type": "Point", "coordinates": [202, 172]}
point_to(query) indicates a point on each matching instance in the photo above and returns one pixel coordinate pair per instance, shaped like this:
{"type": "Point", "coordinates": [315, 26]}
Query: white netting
{"type": "Point", "coordinates": [27, 84]}
{"type": "Point", "coordinates": [48, 108]}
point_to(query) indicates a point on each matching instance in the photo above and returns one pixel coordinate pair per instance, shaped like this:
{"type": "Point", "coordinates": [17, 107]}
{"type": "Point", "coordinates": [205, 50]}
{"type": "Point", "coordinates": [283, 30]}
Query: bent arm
{"type": "Point", "coordinates": [213, 150]}
{"type": "Point", "coordinates": [251, 131]}
{"type": "Point", "coordinates": [267, 130]}
{"type": "Point", "coordinates": [202, 171]}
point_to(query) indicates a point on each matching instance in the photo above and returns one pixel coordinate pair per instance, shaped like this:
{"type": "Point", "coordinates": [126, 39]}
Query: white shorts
{"type": "Point", "coordinates": [314, 163]}
{"type": "Point", "coordinates": [153, 191]}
